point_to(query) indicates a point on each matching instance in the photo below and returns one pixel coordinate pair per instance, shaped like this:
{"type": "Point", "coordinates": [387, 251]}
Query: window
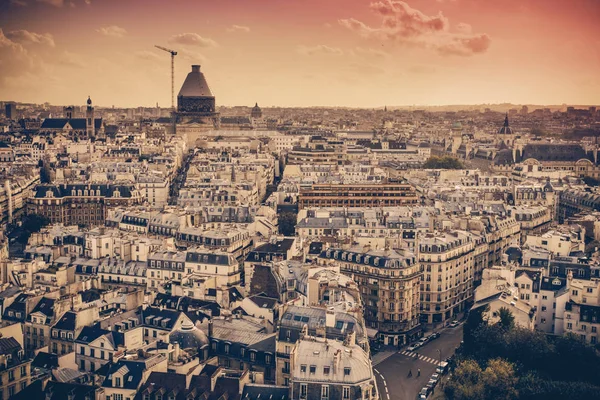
{"type": "Point", "coordinates": [82, 351]}
{"type": "Point", "coordinates": [267, 358]}
{"type": "Point", "coordinates": [324, 392]}
{"type": "Point", "coordinates": [117, 381]}
{"type": "Point", "coordinates": [92, 353]}
{"type": "Point", "coordinates": [326, 370]}
{"type": "Point", "coordinates": [82, 366]}
{"type": "Point", "coordinates": [303, 391]}
{"type": "Point", "coordinates": [303, 368]}
{"type": "Point", "coordinates": [590, 290]}
{"type": "Point", "coordinates": [11, 375]}
{"type": "Point", "coordinates": [313, 369]}
{"type": "Point", "coordinates": [346, 371]}
{"type": "Point", "coordinates": [569, 325]}
{"type": "Point", "coordinates": [252, 356]}
{"type": "Point", "coordinates": [118, 396]}
{"type": "Point", "coordinates": [23, 371]}
{"type": "Point", "coordinates": [346, 392]}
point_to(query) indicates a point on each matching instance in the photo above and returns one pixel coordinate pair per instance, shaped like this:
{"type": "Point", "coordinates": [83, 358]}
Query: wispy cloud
{"type": "Point", "coordinates": [238, 28]}
{"type": "Point", "coordinates": [193, 39]}
{"type": "Point", "coordinates": [20, 3]}
{"type": "Point", "coordinates": [319, 49]}
{"type": "Point", "coordinates": [112, 30]}
{"type": "Point", "coordinates": [25, 37]}
{"type": "Point", "coordinates": [72, 60]}
{"type": "Point", "coordinates": [147, 55]}
{"type": "Point", "coordinates": [403, 24]}
{"type": "Point", "coordinates": [55, 3]}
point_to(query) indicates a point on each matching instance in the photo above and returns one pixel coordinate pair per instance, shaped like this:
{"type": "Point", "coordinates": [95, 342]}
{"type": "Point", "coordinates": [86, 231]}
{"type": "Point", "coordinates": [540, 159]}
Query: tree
{"type": "Point", "coordinates": [287, 223]}
{"type": "Point", "coordinates": [499, 380]}
{"type": "Point", "coordinates": [507, 319]}
{"type": "Point", "coordinates": [445, 162]}
{"type": "Point", "coordinates": [467, 383]}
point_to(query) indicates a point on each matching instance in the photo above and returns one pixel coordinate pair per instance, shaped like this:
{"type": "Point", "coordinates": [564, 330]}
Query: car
{"type": "Point", "coordinates": [442, 368]}
{"type": "Point", "coordinates": [431, 383]}
{"type": "Point", "coordinates": [424, 392]}
{"type": "Point", "coordinates": [434, 335]}
{"type": "Point", "coordinates": [413, 347]}
{"type": "Point", "coordinates": [454, 324]}
{"type": "Point", "coordinates": [435, 377]}
{"type": "Point", "coordinates": [423, 340]}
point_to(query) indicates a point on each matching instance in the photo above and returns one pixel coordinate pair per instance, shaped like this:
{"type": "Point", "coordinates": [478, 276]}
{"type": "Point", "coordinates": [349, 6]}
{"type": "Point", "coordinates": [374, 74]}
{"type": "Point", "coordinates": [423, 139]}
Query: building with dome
{"type": "Point", "coordinates": [196, 109]}
{"type": "Point", "coordinates": [505, 129]}
{"type": "Point", "coordinates": [191, 339]}
{"type": "Point", "coordinates": [256, 112]}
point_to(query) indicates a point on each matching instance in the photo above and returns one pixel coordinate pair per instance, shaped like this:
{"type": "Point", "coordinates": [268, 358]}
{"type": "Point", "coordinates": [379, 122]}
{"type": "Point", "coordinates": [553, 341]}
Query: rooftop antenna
{"type": "Point", "coordinates": [173, 54]}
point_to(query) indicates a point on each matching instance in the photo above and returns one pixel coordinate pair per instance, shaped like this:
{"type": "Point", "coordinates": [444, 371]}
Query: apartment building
{"type": "Point", "coordinates": [447, 263]}
{"type": "Point", "coordinates": [385, 194]}
{"type": "Point", "coordinates": [322, 369]}
{"type": "Point", "coordinates": [389, 285]}
{"type": "Point", "coordinates": [15, 368]}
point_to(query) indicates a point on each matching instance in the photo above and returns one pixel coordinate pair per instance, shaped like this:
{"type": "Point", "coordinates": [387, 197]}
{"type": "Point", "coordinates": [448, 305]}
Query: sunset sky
{"type": "Point", "coordinates": [357, 53]}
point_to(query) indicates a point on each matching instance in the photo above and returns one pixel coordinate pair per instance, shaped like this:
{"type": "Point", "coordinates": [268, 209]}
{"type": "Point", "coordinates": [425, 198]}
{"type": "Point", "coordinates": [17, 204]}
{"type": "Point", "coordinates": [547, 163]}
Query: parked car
{"type": "Point", "coordinates": [413, 347]}
{"type": "Point", "coordinates": [423, 340]}
{"type": "Point", "coordinates": [435, 377]}
{"type": "Point", "coordinates": [454, 324]}
{"type": "Point", "coordinates": [434, 335]}
{"type": "Point", "coordinates": [442, 368]}
{"type": "Point", "coordinates": [424, 393]}
{"type": "Point", "coordinates": [431, 384]}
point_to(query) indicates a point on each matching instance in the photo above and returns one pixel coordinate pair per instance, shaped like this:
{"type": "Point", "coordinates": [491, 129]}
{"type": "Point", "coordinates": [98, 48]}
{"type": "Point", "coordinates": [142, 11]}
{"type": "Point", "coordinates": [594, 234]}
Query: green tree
{"type": "Point", "coordinates": [507, 319]}
{"type": "Point", "coordinates": [499, 380]}
{"type": "Point", "coordinates": [467, 382]}
{"type": "Point", "coordinates": [445, 162]}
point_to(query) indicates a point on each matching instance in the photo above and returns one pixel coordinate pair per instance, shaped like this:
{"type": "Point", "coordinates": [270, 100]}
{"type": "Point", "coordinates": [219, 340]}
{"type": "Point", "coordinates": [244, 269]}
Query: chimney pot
{"type": "Point", "coordinates": [195, 68]}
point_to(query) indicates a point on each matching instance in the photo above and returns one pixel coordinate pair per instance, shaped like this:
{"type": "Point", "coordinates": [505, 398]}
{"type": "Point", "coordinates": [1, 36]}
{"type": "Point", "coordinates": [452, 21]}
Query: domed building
{"type": "Point", "coordinates": [256, 112]}
{"type": "Point", "coordinates": [189, 337]}
{"type": "Point", "coordinates": [505, 129]}
{"type": "Point", "coordinates": [196, 109]}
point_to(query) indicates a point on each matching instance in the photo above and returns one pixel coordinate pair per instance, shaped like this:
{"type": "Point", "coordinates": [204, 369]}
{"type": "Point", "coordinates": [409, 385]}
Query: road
{"type": "Point", "coordinates": [392, 374]}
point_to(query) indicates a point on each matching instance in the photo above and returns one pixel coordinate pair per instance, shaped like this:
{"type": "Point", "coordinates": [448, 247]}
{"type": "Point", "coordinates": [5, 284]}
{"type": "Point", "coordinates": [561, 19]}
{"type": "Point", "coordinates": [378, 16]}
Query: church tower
{"type": "Point", "coordinates": [89, 119]}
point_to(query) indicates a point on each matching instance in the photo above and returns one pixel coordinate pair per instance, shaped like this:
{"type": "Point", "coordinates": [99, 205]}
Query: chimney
{"type": "Point", "coordinates": [210, 329]}
{"type": "Point", "coordinates": [330, 317]}
{"type": "Point", "coordinates": [176, 352]}
{"type": "Point", "coordinates": [195, 68]}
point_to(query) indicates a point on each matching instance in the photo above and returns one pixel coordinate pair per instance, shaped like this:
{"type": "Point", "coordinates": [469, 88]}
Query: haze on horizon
{"type": "Point", "coordinates": [351, 53]}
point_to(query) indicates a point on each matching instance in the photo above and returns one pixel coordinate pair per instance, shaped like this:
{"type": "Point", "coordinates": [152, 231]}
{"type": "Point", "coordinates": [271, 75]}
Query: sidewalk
{"type": "Point", "coordinates": [383, 355]}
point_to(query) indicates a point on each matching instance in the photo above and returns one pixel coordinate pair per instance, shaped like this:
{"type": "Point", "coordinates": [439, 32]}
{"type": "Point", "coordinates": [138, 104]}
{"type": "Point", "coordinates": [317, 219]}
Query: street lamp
{"type": "Point", "coordinates": [440, 351]}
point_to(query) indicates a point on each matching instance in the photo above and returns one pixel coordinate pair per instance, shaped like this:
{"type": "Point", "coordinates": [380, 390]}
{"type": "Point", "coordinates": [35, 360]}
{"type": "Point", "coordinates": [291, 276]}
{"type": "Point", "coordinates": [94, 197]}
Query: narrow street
{"type": "Point", "coordinates": [392, 373]}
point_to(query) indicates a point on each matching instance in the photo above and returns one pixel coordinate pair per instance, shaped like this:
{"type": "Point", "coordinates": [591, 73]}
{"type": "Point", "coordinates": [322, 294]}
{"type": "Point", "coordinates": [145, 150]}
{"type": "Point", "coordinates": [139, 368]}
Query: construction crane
{"type": "Point", "coordinates": [173, 54]}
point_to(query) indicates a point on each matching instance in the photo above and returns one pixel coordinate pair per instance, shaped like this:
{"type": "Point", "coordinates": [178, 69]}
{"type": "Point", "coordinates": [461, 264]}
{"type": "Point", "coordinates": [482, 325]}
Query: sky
{"type": "Point", "coordinates": [354, 53]}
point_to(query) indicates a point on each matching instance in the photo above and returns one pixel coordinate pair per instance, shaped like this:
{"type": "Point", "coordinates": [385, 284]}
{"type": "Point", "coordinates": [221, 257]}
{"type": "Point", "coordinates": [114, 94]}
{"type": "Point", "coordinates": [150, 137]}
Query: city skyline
{"type": "Point", "coordinates": [300, 54]}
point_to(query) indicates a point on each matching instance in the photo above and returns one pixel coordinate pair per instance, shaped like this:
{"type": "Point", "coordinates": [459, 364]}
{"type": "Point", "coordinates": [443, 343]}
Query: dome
{"type": "Point", "coordinates": [89, 101]}
{"type": "Point", "coordinates": [188, 336]}
{"type": "Point", "coordinates": [506, 129]}
{"type": "Point", "coordinates": [457, 125]}
{"type": "Point", "coordinates": [256, 111]}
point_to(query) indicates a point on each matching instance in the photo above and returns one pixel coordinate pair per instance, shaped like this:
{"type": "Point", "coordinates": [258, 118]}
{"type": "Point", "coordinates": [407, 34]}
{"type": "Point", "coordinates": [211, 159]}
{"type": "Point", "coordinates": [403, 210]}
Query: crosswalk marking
{"type": "Point", "coordinates": [421, 357]}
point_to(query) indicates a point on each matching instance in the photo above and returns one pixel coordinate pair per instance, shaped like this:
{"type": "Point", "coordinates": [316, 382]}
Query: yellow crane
{"type": "Point", "coordinates": [173, 54]}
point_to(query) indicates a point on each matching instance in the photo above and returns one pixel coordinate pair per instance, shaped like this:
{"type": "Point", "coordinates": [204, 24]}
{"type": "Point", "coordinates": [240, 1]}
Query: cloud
{"type": "Point", "coordinates": [112, 30]}
{"type": "Point", "coordinates": [193, 39]}
{"type": "Point", "coordinates": [369, 52]}
{"type": "Point", "coordinates": [25, 37]}
{"type": "Point", "coordinates": [147, 55]}
{"type": "Point", "coordinates": [238, 28]}
{"type": "Point", "coordinates": [191, 55]}
{"type": "Point", "coordinates": [403, 24]}
{"type": "Point", "coordinates": [319, 49]}
{"type": "Point", "coordinates": [20, 3]}
{"type": "Point", "coordinates": [55, 3]}
{"type": "Point", "coordinates": [71, 60]}
{"type": "Point", "coordinates": [464, 28]}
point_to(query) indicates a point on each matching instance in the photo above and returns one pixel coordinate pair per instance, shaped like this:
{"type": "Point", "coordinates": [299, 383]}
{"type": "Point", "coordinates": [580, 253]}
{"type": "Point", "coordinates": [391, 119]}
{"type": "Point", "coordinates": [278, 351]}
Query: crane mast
{"type": "Point", "coordinates": [173, 54]}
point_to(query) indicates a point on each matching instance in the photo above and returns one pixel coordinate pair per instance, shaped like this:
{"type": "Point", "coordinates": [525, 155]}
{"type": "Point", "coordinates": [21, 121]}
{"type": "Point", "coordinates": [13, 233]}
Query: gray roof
{"type": "Point", "coordinates": [195, 84]}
